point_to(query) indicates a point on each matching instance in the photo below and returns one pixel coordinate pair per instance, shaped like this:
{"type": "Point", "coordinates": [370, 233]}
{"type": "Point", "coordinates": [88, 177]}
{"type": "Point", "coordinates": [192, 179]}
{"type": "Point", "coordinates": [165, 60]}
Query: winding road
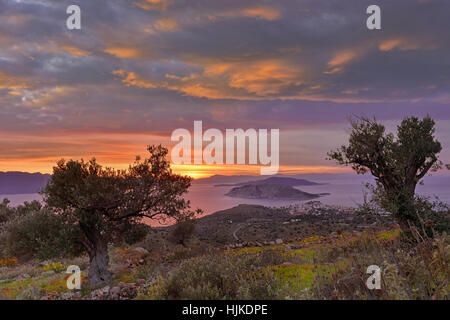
{"type": "Point", "coordinates": [237, 229]}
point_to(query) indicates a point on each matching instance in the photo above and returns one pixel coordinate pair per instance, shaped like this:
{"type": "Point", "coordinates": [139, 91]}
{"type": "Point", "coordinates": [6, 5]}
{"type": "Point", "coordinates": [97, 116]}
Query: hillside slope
{"type": "Point", "coordinates": [284, 181]}
{"type": "Point", "coordinates": [22, 182]}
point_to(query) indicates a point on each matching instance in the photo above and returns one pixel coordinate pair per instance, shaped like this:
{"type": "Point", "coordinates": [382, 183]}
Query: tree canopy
{"type": "Point", "coordinates": [100, 200]}
{"type": "Point", "coordinates": [398, 162]}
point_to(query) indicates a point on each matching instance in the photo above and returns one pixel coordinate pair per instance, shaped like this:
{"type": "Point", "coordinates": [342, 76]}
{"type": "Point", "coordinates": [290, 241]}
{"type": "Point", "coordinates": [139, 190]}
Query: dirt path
{"type": "Point", "coordinates": [237, 229]}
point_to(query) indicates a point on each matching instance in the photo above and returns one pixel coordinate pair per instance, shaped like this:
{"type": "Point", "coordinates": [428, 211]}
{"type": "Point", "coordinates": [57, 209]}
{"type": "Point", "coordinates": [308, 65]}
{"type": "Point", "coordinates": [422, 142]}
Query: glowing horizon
{"type": "Point", "coordinates": [192, 170]}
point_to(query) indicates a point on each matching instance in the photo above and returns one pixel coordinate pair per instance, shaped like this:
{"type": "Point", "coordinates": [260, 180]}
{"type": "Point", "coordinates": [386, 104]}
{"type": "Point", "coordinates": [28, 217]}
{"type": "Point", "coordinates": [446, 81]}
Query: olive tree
{"type": "Point", "coordinates": [100, 200]}
{"type": "Point", "coordinates": [182, 232]}
{"type": "Point", "coordinates": [398, 162]}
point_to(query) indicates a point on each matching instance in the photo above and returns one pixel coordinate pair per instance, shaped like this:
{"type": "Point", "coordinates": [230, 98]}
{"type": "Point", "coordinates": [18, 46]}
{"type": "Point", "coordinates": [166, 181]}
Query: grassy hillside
{"type": "Point", "coordinates": [331, 267]}
{"type": "Point", "coordinates": [325, 257]}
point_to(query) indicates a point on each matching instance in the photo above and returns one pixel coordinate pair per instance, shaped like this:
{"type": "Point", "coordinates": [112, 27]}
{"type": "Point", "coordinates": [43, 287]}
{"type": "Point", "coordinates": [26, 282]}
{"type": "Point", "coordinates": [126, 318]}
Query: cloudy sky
{"type": "Point", "coordinates": [140, 69]}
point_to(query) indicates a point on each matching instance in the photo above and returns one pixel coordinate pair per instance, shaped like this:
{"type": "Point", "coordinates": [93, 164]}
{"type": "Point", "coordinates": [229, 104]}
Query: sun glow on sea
{"type": "Point", "coordinates": [205, 171]}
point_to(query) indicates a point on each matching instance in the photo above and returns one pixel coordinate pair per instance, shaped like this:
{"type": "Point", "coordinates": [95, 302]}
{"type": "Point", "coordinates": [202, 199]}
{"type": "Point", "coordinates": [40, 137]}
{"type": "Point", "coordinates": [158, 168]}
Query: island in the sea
{"type": "Point", "coordinates": [271, 191]}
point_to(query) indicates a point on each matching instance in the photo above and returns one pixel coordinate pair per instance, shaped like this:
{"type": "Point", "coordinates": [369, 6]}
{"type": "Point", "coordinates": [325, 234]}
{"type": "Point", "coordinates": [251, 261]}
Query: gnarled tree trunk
{"type": "Point", "coordinates": [97, 247]}
{"type": "Point", "coordinates": [403, 199]}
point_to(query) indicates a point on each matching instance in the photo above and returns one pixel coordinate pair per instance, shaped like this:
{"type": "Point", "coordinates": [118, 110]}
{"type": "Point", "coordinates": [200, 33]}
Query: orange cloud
{"type": "Point", "coordinates": [260, 12]}
{"type": "Point", "coordinates": [405, 44]}
{"type": "Point", "coordinates": [201, 91]}
{"type": "Point", "coordinates": [265, 77]}
{"type": "Point", "coordinates": [131, 79]}
{"type": "Point", "coordinates": [48, 98]}
{"type": "Point", "coordinates": [166, 24]}
{"type": "Point", "coordinates": [194, 89]}
{"type": "Point", "coordinates": [11, 82]}
{"type": "Point", "coordinates": [172, 23]}
{"type": "Point", "coordinates": [221, 80]}
{"type": "Point", "coordinates": [124, 52]}
{"type": "Point", "coordinates": [75, 51]}
{"type": "Point", "coordinates": [343, 58]}
{"type": "Point", "coordinates": [57, 46]}
{"type": "Point", "coordinates": [243, 82]}
{"type": "Point", "coordinates": [157, 5]}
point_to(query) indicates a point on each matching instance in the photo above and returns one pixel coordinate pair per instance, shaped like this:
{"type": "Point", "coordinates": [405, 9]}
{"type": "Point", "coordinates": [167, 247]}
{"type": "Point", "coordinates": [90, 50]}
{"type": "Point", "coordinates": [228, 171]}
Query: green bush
{"type": "Point", "coordinates": [222, 277]}
{"type": "Point", "coordinates": [35, 232]}
{"type": "Point", "coordinates": [409, 271]}
{"type": "Point", "coordinates": [434, 214]}
{"type": "Point", "coordinates": [182, 232]}
{"type": "Point", "coordinates": [132, 233]}
{"type": "Point", "coordinates": [6, 212]}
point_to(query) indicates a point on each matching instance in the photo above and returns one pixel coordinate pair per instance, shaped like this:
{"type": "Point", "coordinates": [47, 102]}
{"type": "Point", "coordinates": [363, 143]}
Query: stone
{"type": "Point", "coordinates": [140, 282]}
{"type": "Point", "coordinates": [47, 273]}
{"type": "Point", "coordinates": [115, 293]}
{"type": "Point", "coordinates": [22, 276]}
{"type": "Point", "coordinates": [278, 241]}
{"type": "Point", "coordinates": [287, 264]}
{"type": "Point", "coordinates": [105, 290]}
{"type": "Point", "coordinates": [67, 296]}
{"type": "Point", "coordinates": [101, 294]}
{"type": "Point", "coordinates": [43, 263]}
{"type": "Point", "coordinates": [128, 292]}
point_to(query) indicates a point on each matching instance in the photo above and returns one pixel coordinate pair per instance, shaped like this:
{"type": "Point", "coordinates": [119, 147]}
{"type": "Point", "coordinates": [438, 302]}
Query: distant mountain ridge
{"type": "Point", "coordinates": [284, 181]}
{"type": "Point", "coordinates": [271, 191]}
{"type": "Point", "coordinates": [15, 182]}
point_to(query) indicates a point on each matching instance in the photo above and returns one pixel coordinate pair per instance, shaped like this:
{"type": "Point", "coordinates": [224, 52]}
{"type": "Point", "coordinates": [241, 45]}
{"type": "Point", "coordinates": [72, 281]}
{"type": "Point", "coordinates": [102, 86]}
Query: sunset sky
{"type": "Point", "coordinates": [140, 69]}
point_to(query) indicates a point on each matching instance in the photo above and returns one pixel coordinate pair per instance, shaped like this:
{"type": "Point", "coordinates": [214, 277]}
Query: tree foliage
{"type": "Point", "coordinates": [182, 232]}
{"type": "Point", "coordinates": [32, 231]}
{"type": "Point", "coordinates": [100, 200]}
{"type": "Point", "coordinates": [398, 162]}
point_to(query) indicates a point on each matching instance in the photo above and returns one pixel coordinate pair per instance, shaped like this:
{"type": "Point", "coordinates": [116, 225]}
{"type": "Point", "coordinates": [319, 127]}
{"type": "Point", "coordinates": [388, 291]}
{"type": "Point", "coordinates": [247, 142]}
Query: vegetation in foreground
{"type": "Point", "coordinates": [332, 267]}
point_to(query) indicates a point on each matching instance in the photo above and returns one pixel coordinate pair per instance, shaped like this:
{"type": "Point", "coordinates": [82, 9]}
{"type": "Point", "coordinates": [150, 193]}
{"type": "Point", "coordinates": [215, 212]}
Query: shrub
{"type": "Point", "coordinates": [131, 233]}
{"type": "Point", "coordinates": [55, 266]}
{"type": "Point", "coordinates": [35, 232]}
{"type": "Point", "coordinates": [182, 232]}
{"type": "Point", "coordinates": [222, 277]}
{"type": "Point", "coordinates": [418, 271]}
{"type": "Point", "coordinates": [10, 262]}
{"type": "Point", "coordinates": [6, 212]}
{"type": "Point", "coordinates": [31, 294]}
{"type": "Point", "coordinates": [434, 214]}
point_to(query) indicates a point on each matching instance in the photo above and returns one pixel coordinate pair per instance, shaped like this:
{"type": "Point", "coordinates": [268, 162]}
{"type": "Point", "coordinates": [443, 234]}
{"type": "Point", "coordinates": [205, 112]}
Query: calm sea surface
{"type": "Point", "coordinates": [345, 190]}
